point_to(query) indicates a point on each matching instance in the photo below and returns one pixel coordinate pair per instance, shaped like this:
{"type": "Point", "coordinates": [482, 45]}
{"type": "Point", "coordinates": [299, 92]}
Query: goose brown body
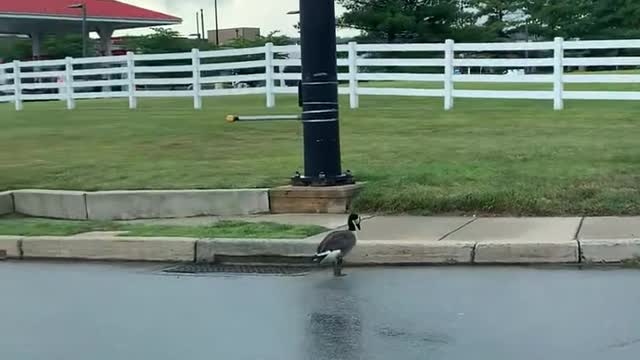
{"type": "Point", "coordinates": [343, 240]}
{"type": "Point", "coordinates": [337, 244]}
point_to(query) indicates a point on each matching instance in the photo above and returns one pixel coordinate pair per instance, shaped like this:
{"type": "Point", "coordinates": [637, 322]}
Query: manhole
{"type": "Point", "coordinates": [238, 269]}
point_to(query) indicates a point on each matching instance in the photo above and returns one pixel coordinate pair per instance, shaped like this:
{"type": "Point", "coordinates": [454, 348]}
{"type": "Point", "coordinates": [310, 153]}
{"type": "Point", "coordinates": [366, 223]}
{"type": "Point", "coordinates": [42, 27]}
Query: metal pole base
{"type": "Point", "coordinates": [320, 181]}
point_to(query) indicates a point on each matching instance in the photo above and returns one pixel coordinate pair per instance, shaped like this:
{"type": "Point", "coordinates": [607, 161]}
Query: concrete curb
{"type": "Point", "coordinates": [393, 252]}
{"type": "Point", "coordinates": [130, 205]}
{"type": "Point", "coordinates": [11, 246]}
{"type": "Point", "coordinates": [379, 252]}
{"type": "Point", "coordinates": [506, 252]}
{"type": "Point", "coordinates": [51, 204]}
{"type": "Point", "coordinates": [366, 253]}
{"type": "Point", "coordinates": [610, 251]}
{"type": "Point", "coordinates": [6, 203]}
{"type": "Point", "coordinates": [208, 249]}
{"type": "Point", "coordinates": [112, 248]}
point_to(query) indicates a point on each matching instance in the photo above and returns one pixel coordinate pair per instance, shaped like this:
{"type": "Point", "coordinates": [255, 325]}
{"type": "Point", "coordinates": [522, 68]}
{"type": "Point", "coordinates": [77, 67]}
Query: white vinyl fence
{"type": "Point", "coordinates": [273, 70]}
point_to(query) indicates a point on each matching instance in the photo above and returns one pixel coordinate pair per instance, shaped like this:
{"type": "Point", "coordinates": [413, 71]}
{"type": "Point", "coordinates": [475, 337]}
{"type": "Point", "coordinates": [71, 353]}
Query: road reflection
{"type": "Point", "coordinates": [335, 323]}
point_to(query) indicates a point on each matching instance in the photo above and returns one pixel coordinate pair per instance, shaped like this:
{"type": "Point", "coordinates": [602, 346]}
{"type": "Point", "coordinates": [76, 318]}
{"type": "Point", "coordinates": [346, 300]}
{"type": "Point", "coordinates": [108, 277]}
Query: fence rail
{"type": "Point", "coordinates": [273, 70]}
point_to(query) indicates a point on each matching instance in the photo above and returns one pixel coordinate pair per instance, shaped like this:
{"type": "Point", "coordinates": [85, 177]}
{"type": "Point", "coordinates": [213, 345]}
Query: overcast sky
{"type": "Point", "coordinates": [268, 15]}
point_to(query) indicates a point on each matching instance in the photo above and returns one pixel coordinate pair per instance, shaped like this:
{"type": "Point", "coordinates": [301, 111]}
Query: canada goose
{"type": "Point", "coordinates": [338, 244]}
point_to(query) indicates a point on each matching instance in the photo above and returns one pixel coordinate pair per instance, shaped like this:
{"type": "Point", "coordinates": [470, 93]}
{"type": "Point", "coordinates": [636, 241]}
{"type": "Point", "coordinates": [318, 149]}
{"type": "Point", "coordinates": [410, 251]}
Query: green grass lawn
{"type": "Point", "coordinates": [490, 157]}
{"type": "Point", "coordinates": [224, 229]}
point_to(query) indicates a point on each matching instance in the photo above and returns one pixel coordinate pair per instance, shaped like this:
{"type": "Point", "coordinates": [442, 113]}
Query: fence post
{"type": "Point", "coordinates": [270, 90]}
{"type": "Point", "coordinates": [17, 85]}
{"type": "Point", "coordinates": [68, 82]}
{"type": "Point", "coordinates": [131, 80]}
{"type": "Point", "coordinates": [558, 74]}
{"type": "Point", "coordinates": [197, 99]}
{"type": "Point", "coordinates": [354, 100]}
{"type": "Point", "coordinates": [448, 74]}
{"type": "Point", "coordinates": [283, 82]}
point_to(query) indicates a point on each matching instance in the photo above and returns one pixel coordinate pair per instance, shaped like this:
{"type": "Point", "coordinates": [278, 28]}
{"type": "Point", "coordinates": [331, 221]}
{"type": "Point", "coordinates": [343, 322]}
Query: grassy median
{"type": "Point", "coordinates": [486, 156]}
{"type": "Point", "coordinates": [224, 229]}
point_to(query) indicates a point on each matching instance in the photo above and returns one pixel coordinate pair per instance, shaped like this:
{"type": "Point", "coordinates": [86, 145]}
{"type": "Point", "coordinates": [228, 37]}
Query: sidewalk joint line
{"type": "Point", "coordinates": [579, 251]}
{"type": "Point", "coordinates": [579, 228]}
{"type": "Point", "coordinates": [86, 206]}
{"type": "Point", "coordinates": [457, 229]}
{"type": "Point", "coordinates": [195, 251]}
{"type": "Point", "coordinates": [20, 249]}
{"type": "Point", "coordinates": [577, 239]}
{"type": "Point", "coordinates": [473, 253]}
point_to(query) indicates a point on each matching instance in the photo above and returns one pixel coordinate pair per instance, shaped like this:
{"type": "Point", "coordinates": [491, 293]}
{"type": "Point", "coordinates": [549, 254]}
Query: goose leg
{"type": "Point", "coordinates": [337, 267]}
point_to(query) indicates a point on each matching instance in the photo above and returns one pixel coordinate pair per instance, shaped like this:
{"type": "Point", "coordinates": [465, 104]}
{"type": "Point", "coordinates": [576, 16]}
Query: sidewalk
{"type": "Point", "coordinates": [383, 240]}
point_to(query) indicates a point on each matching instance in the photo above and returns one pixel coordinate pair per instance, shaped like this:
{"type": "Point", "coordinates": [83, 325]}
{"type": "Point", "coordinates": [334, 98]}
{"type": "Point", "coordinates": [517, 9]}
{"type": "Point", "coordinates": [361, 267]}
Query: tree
{"type": "Point", "coordinates": [615, 19]}
{"type": "Point", "coordinates": [54, 47]}
{"type": "Point", "coordinates": [164, 41]}
{"type": "Point", "coordinates": [550, 18]}
{"type": "Point", "coordinates": [499, 18]}
{"type": "Point", "coordinates": [61, 46]}
{"type": "Point", "coordinates": [402, 20]}
{"type": "Point", "coordinates": [14, 49]}
{"type": "Point", "coordinates": [272, 37]}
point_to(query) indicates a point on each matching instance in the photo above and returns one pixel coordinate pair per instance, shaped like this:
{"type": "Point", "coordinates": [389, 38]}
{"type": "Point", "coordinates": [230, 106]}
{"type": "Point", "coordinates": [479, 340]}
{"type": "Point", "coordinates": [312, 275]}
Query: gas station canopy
{"type": "Point", "coordinates": [56, 16]}
{"type": "Point", "coordinates": [41, 17]}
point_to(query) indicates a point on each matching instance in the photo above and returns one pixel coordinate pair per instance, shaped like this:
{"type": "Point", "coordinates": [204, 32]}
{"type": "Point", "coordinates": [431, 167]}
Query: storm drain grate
{"type": "Point", "coordinates": [238, 269]}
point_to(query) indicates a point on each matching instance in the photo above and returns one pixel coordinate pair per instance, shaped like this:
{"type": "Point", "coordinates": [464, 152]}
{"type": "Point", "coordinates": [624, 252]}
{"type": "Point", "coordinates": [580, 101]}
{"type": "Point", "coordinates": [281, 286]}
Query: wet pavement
{"type": "Point", "coordinates": [109, 311]}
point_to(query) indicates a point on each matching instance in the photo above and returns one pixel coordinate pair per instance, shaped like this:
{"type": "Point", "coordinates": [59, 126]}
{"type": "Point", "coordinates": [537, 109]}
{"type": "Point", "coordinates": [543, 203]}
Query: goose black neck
{"type": "Point", "coordinates": [352, 226]}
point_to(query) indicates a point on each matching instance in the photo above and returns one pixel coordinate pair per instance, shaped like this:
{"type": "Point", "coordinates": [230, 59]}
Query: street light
{"type": "Point", "coordinates": [82, 6]}
{"type": "Point", "coordinates": [318, 96]}
{"type": "Point", "coordinates": [319, 90]}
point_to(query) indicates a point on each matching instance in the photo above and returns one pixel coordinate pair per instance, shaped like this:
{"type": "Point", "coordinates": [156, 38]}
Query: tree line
{"type": "Point", "coordinates": [159, 40]}
{"type": "Point", "coordinates": [491, 20]}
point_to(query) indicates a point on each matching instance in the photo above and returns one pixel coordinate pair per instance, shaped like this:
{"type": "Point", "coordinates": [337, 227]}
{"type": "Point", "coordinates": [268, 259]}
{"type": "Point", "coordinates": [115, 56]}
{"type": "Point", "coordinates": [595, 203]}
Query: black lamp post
{"type": "Point", "coordinates": [318, 96]}
{"type": "Point", "coordinates": [82, 6]}
{"type": "Point", "coordinates": [319, 90]}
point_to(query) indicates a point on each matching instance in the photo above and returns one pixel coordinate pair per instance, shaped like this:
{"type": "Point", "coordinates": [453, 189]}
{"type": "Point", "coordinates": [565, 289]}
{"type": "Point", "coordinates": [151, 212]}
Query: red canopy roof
{"type": "Point", "coordinates": [101, 9]}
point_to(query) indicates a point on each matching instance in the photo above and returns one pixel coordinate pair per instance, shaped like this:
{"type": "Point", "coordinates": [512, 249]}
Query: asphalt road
{"type": "Point", "coordinates": [108, 312]}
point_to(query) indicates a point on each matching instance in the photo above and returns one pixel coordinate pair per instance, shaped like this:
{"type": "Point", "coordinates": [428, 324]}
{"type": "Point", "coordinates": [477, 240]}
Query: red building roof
{"type": "Point", "coordinates": [98, 9]}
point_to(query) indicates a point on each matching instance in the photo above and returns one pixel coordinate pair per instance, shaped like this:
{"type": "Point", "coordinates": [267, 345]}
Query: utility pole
{"type": "Point", "coordinates": [204, 34]}
{"type": "Point", "coordinates": [198, 24]}
{"type": "Point", "coordinates": [216, 15]}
